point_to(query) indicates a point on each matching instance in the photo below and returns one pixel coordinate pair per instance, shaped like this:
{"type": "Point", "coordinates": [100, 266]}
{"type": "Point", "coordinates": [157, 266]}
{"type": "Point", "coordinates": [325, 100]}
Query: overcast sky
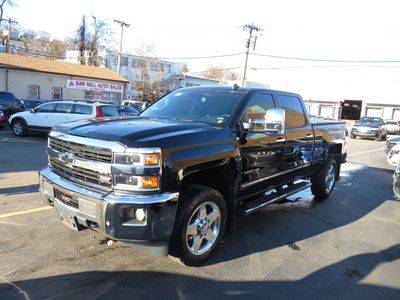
{"type": "Point", "coordinates": [348, 30]}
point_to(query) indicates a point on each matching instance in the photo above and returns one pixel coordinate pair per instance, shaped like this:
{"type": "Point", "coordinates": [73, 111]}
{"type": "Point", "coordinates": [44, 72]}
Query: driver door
{"type": "Point", "coordinates": [263, 155]}
{"type": "Point", "coordinates": [40, 118]}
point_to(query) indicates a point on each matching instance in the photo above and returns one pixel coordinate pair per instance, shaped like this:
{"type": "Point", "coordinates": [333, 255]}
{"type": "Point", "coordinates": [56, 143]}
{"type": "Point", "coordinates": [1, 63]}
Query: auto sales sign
{"type": "Point", "coordinates": [95, 86]}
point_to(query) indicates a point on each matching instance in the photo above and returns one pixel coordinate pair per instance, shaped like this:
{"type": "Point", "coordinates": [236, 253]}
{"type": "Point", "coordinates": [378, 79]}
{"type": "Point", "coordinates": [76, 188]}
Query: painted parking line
{"type": "Point", "coordinates": [24, 212]}
{"type": "Point", "coordinates": [364, 152]}
{"type": "Point", "coordinates": [7, 139]}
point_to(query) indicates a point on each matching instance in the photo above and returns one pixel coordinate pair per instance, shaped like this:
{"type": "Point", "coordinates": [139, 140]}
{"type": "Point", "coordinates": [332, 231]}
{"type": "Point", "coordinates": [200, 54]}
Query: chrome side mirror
{"type": "Point", "coordinates": [32, 110]}
{"type": "Point", "coordinates": [273, 122]}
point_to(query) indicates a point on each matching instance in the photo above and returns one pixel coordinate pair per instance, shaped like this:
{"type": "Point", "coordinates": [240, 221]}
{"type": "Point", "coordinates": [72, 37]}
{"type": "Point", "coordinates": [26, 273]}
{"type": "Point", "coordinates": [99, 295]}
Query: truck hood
{"type": "Point", "coordinates": [136, 131]}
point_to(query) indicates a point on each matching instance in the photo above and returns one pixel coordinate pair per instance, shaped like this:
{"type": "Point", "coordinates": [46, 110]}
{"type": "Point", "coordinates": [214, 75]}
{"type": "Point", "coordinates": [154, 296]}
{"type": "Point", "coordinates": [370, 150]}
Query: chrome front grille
{"type": "Point", "coordinates": [81, 174]}
{"type": "Point", "coordinates": [82, 151]}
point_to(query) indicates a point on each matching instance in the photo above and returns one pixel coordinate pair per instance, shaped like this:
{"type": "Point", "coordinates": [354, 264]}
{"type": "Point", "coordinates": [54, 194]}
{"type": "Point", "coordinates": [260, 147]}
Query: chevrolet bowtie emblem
{"type": "Point", "coordinates": [68, 160]}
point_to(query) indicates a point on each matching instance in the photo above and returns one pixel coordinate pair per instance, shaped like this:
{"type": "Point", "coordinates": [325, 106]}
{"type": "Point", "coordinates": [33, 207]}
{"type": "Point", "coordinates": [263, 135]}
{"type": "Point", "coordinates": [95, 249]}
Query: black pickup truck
{"type": "Point", "coordinates": [175, 178]}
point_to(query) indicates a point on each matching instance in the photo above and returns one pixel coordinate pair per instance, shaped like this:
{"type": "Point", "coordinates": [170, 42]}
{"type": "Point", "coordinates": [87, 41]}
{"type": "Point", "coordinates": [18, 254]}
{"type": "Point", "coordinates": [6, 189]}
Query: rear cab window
{"type": "Point", "coordinates": [295, 114]}
{"type": "Point", "coordinates": [109, 111]}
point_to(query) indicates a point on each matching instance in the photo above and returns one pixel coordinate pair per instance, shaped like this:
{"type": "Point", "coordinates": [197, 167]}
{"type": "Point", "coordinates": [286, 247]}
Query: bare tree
{"type": "Point", "coordinates": [214, 73]}
{"type": "Point", "coordinates": [219, 73]}
{"type": "Point", "coordinates": [150, 83]}
{"type": "Point", "coordinates": [231, 75]}
{"type": "Point", "coordinates": [81, 32]}
{"type": "Point", "coordinates": [3, 4]}
{"type": "Point", "coordinates": [91, 39]}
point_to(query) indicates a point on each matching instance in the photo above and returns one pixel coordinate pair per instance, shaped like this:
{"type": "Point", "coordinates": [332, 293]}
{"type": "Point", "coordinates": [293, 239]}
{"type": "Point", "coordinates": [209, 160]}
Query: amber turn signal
{"type": "Point", "coordinates": [149, 182]}
{"type": "Point", "coordinates": [151, 159]}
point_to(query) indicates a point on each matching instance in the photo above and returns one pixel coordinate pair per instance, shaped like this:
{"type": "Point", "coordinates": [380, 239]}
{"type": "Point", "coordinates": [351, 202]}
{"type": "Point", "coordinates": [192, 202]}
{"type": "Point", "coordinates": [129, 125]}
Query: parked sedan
{"type": "Point", "coordinates": [50, 114]}
{"type": "Point", "coordinates": [127, 111]}
{"type": "Point", "coordinates": [2, 117]}
{"type": "Point", "coordinates": [396, 182]}
{"type": "Point", "coordinates": [391, 142]}
{"type": "Point", "coordinates": [393, 157]}
{"type": "Point", "coordinates": [392, 126]}
{"type": "Point", "coordinates": [369, 127]}
{"type": "Point", "coordinates": [29, 104]}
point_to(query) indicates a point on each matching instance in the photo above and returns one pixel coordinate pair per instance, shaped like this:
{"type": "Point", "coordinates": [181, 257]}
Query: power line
{"type": "Point", "coordinates": [324, 60]}
{"type": "Point", "coordinates": [200, 57]}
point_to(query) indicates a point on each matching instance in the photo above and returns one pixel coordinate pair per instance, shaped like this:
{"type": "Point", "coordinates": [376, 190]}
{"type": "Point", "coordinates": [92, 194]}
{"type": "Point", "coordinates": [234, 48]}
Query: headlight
{"type": "Point", "coordinates": [139, 169]}
{"type": "Point", "coordinates": [138, 159]}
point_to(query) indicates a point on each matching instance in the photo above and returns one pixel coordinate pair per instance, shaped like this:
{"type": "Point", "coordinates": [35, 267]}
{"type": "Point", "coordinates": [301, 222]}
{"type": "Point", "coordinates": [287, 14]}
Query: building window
{"type": "Point", "coordinates": [155, 66]}
{"type": "Point", "coordinates": [137, 63]}
{"type": "Point", "coordinates": [124, 61]}
{"type": "Point", "coordinates": [33, 92]}
{"type": "Point", "coordinates": [57, 93]}
{"type": "Point", "coordinates": [88, 95]}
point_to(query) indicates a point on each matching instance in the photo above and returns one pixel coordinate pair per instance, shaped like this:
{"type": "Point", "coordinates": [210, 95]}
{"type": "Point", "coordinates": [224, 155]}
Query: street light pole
{"type": "Point", "coordinates": [122, 24]}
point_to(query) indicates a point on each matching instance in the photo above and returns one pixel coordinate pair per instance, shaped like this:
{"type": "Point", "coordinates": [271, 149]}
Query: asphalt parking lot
{"type": "Point", "coordinates": [347, 247]}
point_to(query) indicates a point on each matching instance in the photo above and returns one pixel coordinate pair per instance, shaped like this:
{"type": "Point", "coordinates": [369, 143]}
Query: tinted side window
{"type": "Point", "coordinates": [48, 107]}
{"type": "Point", "coordinates": [295, 116]}
{"type": "Point", "coordinates": [82, 109]}
{"type": "Point", "coordinates": [63, 108]}
{"type": "Point", "coordinates": [258, 106]}
{"type": "Point", "coordinates": [109, 111]}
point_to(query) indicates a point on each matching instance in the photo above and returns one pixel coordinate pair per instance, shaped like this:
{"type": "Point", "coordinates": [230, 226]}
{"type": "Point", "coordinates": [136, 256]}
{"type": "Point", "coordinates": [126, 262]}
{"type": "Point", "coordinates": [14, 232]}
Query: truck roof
{"type": "Point", "coordinates": [239, 89]}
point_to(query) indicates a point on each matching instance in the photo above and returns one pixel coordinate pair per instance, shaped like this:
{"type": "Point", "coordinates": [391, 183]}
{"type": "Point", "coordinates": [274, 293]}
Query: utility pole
{"type": "Point", "coordinates": [250, 28]}
{"type": "Point", "coordinates": [122, 24]}
{"type": "Point", "coordinates": [10, 23]}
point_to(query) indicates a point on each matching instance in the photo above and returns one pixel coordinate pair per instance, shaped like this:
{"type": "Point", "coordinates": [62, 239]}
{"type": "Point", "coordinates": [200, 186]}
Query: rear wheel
{"type": "Point", "coordinates": [199, 226]}
{"type": "Point", "coordinates": [322, 184]}
{"type": "Point", "coordinates": [19, 127]}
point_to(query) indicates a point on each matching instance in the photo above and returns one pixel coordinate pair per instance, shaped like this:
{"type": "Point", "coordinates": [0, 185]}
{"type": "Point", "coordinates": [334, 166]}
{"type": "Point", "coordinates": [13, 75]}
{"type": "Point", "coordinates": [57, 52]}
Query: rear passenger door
{"type": "Point", "coordinates": [298, 134]}
{"type": "Point", "coordinates": [62, 114]}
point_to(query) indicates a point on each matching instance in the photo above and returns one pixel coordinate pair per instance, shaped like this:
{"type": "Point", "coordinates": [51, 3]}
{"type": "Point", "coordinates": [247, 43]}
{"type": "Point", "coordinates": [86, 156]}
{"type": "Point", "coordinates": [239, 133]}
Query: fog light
{"type": "Point", "coordinates": [140, 214]}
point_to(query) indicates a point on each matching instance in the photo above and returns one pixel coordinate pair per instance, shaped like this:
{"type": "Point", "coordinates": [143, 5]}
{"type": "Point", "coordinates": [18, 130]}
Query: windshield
{"type": "Point", "coordinates": [373, 122]}
{"type": "Point", "coordinates": [197, 105]}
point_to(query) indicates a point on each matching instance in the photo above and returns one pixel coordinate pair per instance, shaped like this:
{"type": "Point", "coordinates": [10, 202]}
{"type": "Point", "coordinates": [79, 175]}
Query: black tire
{"type": "Point", "coordinates": [190, 201]}
{"type": "Point", "coordinates": [19, 127]}
{"type": "Point", "coordinates": [319, 185]}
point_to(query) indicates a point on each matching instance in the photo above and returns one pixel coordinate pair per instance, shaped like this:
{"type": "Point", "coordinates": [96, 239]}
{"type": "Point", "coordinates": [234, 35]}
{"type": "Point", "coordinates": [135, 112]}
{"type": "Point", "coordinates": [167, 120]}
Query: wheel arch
{"type": "Point", "coordinates": [223, 177]}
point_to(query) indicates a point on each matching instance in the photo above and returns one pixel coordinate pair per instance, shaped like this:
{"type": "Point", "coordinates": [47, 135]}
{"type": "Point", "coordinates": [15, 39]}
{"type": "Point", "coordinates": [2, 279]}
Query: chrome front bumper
{"type": "Point", "coordinates": [102, 211]}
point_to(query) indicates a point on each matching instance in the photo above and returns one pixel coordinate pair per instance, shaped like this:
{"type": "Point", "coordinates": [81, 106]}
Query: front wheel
{"type": "Point", "coordinates": [322, 184]}
{"type": "Point", "coordinates": [199, 226]}
{"type": "Point", "coordinates": [19, 127]}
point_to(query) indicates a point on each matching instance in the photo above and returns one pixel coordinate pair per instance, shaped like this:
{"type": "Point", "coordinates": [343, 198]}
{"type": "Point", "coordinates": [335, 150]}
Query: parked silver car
{"type": "Point", "coordinates": [396, 182]}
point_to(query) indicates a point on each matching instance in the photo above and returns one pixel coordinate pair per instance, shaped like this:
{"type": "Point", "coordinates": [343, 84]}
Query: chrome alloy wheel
{"type": "Point", "coordinates": [203, 228]}
{"type": "Point", "coordinates": [330, 177]}
{"type": "Point", "coordinates": [18, 129]}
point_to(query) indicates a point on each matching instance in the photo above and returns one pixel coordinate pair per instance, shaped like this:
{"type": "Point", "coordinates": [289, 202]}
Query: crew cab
{"type": "Point", "coordinates": [369, 127]}
{"type": "Point", "coordinates": [176, 177]}
{"type": "Point", "coordinates": [45, 116]}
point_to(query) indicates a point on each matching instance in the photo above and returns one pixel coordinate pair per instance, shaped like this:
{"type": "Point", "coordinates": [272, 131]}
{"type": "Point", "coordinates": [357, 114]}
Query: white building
{"type": "Point", "coordinates": [187, 80]}
{"type": "Point", "coordinates": [135, 68]}
{"type": "Point", "coordinates": [332, 109]}
{"type": "Point", "coordinates": [37, 78]}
